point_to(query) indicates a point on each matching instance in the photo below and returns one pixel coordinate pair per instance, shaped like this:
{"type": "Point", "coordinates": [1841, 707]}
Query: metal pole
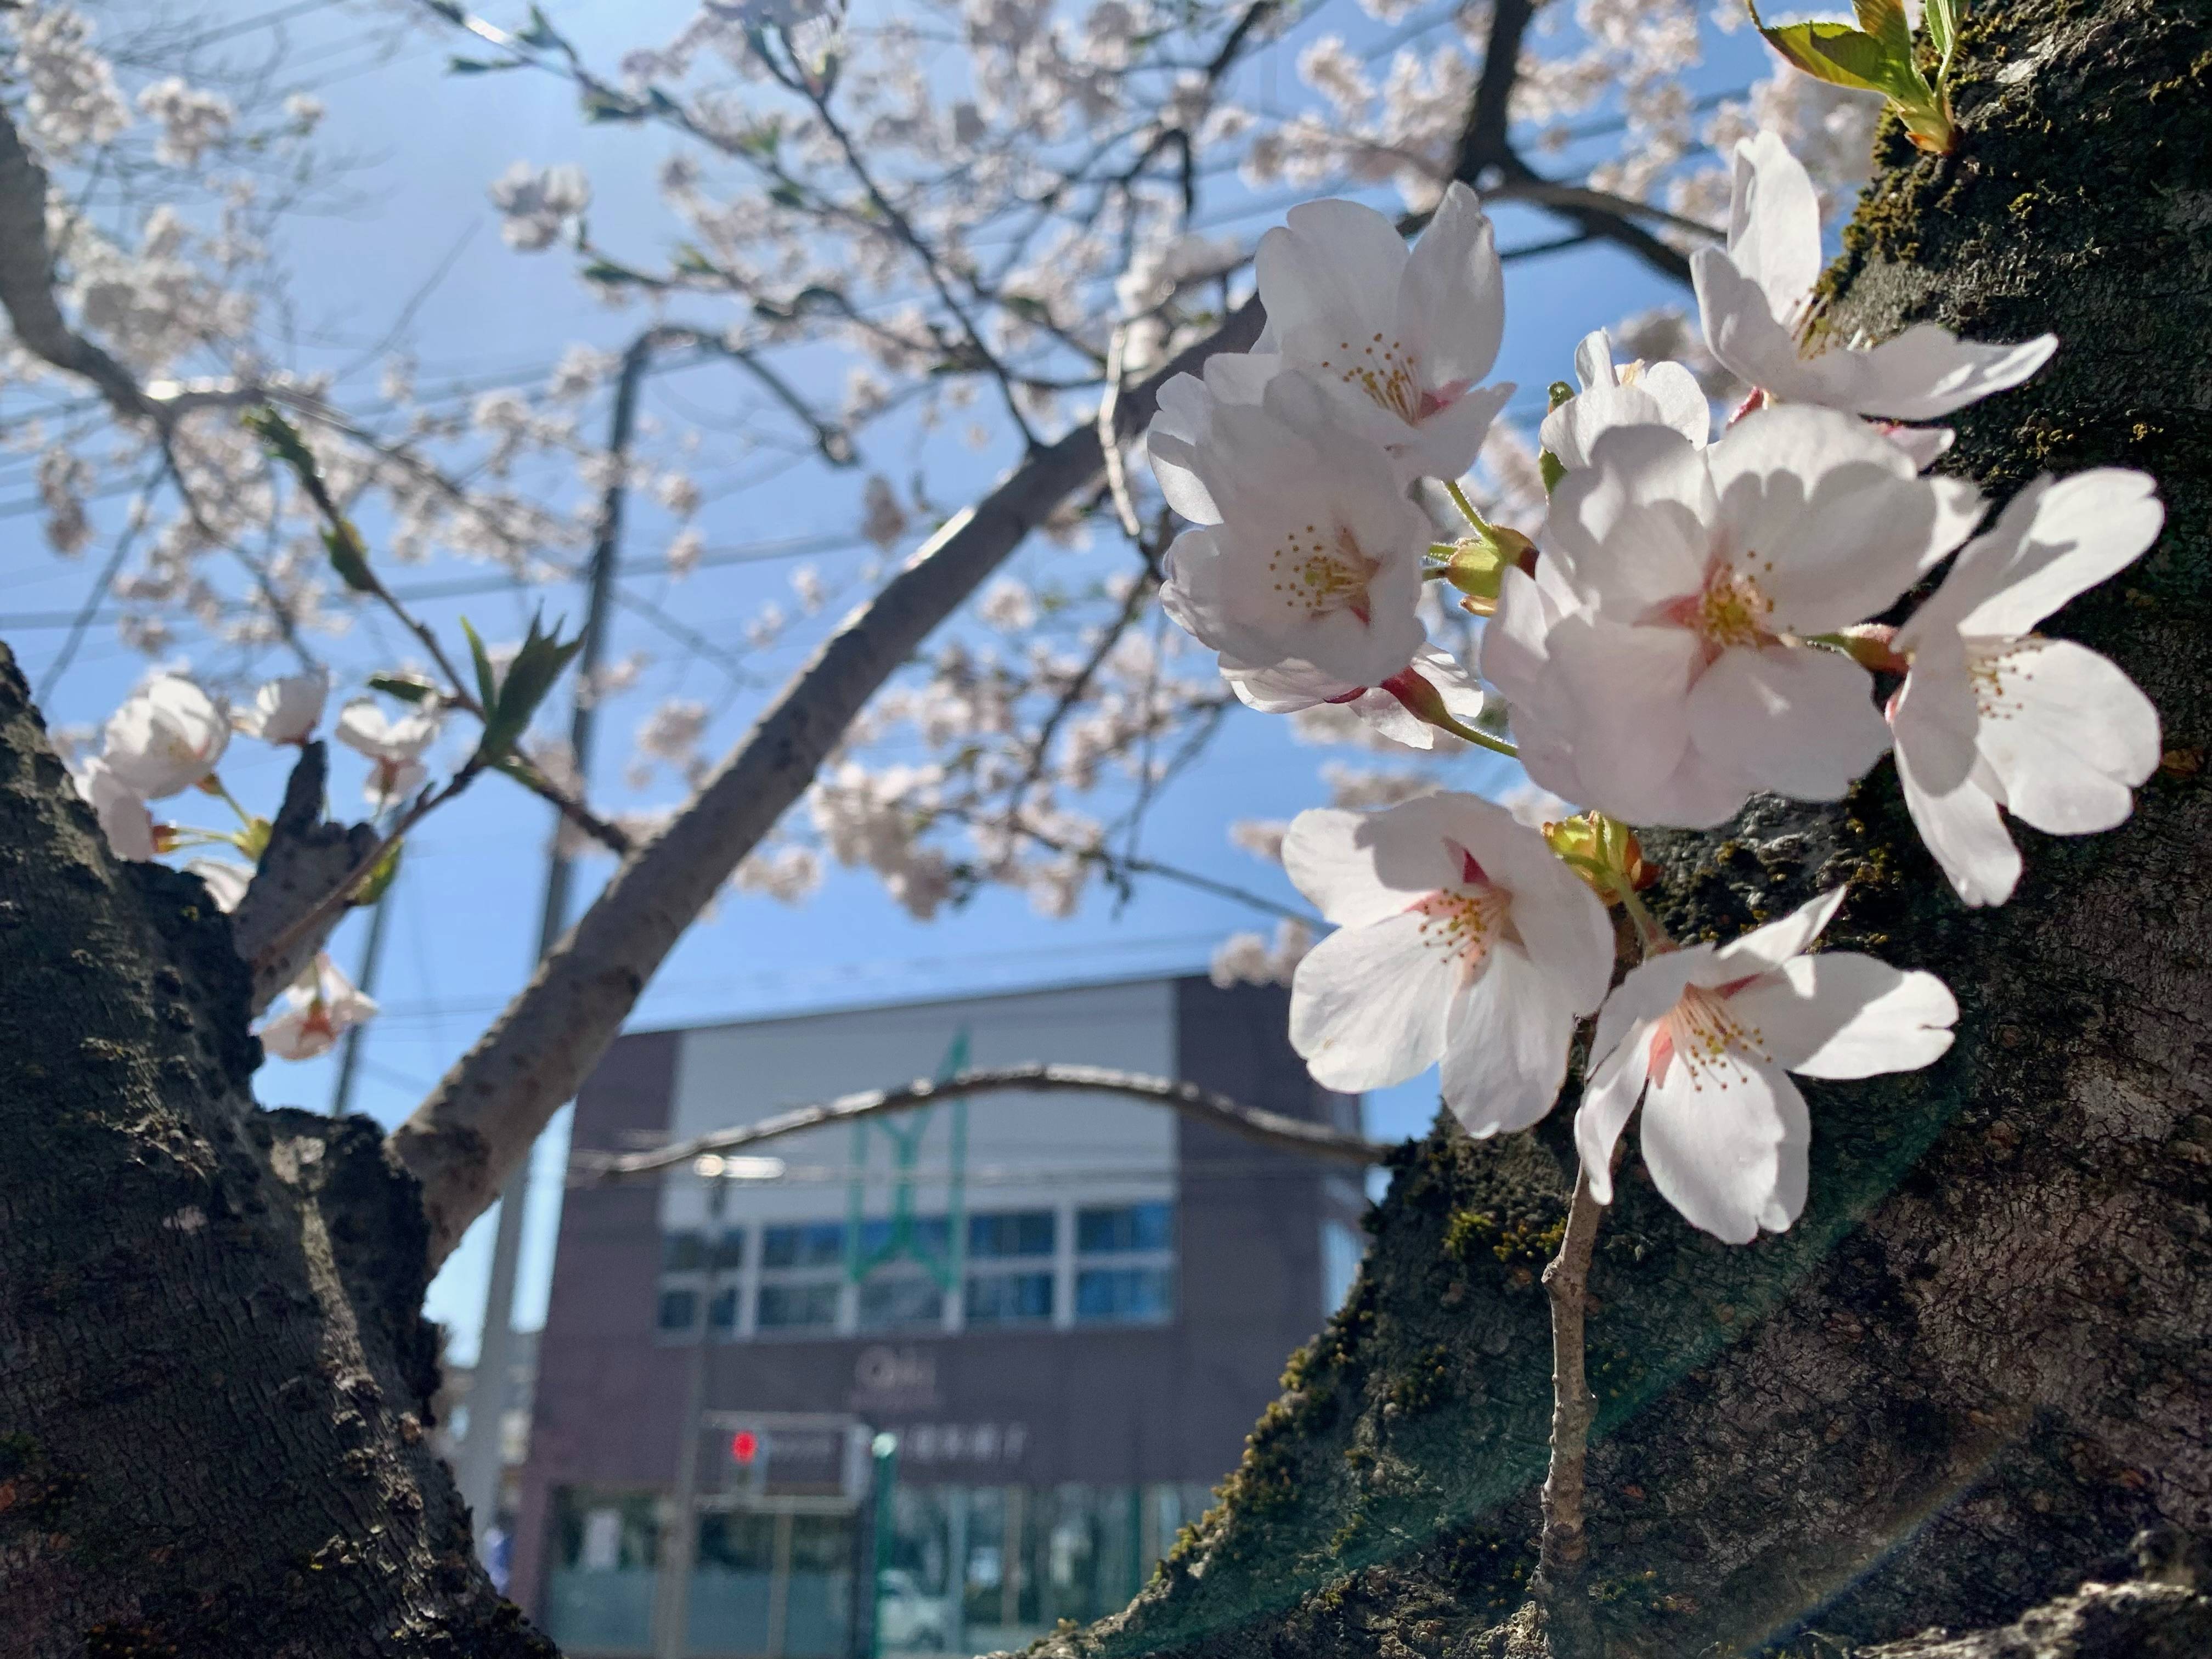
{"type": "Point", "coordinates": [372, 953]}
{"type": "Point", "coordinates": [478, 1464]}
{"type": "Point", "coordinates": [672, 1612]}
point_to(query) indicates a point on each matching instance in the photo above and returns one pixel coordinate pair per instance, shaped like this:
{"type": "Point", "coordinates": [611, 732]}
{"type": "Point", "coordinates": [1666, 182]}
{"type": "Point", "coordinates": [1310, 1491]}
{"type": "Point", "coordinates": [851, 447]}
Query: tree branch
{"type": "Point", "coordinates": [1268, 1128]}
{"type": "Point", "coordinates": [480, 1121]}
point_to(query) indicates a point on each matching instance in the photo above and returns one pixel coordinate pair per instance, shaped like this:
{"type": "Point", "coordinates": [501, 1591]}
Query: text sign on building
{"type": "Point", "coordinates": [783, 1455]}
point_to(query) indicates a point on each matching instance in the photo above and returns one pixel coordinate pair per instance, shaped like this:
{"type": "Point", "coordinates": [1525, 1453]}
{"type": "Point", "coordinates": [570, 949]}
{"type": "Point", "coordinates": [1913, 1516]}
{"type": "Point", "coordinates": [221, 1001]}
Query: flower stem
{"type": "Point", "coordinates": [1563, 1551]}
{"type": "Point", "coordinates": [1465, 506]}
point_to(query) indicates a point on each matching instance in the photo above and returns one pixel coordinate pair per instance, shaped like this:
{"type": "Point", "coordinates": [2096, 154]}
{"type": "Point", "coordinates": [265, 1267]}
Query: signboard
{"type": "Point", "coordinates": [772, 1455]}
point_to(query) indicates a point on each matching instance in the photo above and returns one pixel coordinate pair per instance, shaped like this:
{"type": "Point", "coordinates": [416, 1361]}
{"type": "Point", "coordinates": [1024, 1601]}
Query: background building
{"type": "Point", "coordinates": [1068, 1311]}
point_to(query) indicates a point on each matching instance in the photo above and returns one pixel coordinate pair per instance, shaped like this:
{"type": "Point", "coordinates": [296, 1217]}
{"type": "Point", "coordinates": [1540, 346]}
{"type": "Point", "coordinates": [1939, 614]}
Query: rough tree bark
{"type": "Point", "coordinates": [1980, 1364]}
{"type": "Point", "coordinates": [1968, 1376]}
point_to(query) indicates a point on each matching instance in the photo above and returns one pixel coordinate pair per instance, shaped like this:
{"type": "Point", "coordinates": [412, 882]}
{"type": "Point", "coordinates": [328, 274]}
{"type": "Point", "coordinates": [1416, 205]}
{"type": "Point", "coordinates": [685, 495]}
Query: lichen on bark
{"type": "Point", "coordinates": [1977, 1365]}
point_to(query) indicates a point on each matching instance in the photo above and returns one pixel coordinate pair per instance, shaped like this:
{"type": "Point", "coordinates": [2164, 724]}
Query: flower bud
{"type": "Point", "coordinates": [1604, 851]}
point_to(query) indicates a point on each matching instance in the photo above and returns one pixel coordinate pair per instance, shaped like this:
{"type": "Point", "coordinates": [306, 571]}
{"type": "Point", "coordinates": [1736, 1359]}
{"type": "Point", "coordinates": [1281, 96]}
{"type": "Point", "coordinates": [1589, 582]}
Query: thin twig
{"type": "Point", "coordinates": [1563, 1550]}
{"type": "Point", "coordinates": [1270, 1128]}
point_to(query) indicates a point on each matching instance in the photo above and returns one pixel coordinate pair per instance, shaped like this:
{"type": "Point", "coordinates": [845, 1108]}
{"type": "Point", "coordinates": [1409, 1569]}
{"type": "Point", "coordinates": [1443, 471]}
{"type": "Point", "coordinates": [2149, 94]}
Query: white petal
{"type": "Point", "coordinates": [1608, 1098]}
{"type": "Point", "coordinates": [1933, 720]}
{"type": "Point", "coordinates": [1741, 329]}
{"type": "Point", "coordinates": [1505, 1047]}
{"type": "Point", "coordinates": [1632, 689]}
{"type": "Point", "coordinates": [2060, 540]}
{"type": "Point", "coordinates": [1184, 422]}
{"type": "Point", "coordinates": [1445, 444]}
{"type": "Point", "coordinates": [1562, 925]}
{"type": "Point", "coordinates": [1594, 361]}
{"type": "Point", "coordinates": [1927, 372]}
{"type": "Point", "coordinates": [1368, 1004]}
{"type": "Point", "coordinates": [1570, 430]}
{"type": "Point", "coordinates": [1796, 719]}
{"type": "Point", "coordinates": [1630, 530]}
{"type": "Point", "coordinates": [2069, 735]}
{"type": "Point", "coordinates": [1451, 300]}
{"type": "Point", "coordinates": [1774, 222]}
{"type": "Point", "coordinates": [1359, 868]}
{"type": "Point", "coordinates": [1840, 1014]}
{"type": "Point", "coordinates": [1649, 992]}
{"type": "Point", "coordinates": [1766, 948]}
{"type": "Point", "coordinates": [1924, 445]}
{"type": "Point", "coordinates": [1828, 517]}
{"type": "Point", "coordinates": [1726, 1145]}
{"type": "Point", "coordinates": [1682, 402]}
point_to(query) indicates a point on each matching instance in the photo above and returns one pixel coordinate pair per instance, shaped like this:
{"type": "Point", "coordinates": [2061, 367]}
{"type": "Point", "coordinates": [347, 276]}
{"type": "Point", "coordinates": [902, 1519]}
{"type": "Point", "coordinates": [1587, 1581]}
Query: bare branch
{"type": "Point", "coordinates": [480, 1121]}
{"type": "Point", "coordinates": [1268, 1128]}
{"type": "Point", "coordinates": [294, 900]}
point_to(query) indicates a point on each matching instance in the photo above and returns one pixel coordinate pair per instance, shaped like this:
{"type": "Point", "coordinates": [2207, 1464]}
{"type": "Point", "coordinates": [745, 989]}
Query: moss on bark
{"type": "Point", "coordinates": [1977, 1365]}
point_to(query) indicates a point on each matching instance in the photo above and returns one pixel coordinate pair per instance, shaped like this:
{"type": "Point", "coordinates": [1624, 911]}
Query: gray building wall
{"type": "Point", "coordinates": [1110, 1405]}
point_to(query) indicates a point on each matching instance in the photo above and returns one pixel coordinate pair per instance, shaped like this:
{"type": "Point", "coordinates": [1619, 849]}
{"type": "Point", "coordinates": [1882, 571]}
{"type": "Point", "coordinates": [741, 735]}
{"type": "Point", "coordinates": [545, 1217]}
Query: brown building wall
{"type": "Point", "coordinates": [1105, 1405]}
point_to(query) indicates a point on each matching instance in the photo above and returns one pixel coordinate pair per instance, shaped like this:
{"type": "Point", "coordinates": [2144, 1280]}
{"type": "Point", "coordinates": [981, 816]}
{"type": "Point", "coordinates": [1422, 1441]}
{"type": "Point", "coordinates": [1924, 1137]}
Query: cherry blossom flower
{"type": "Point", "coordinates": [121, 810]}
{"type": "Point", "coordinates": [1992, 714]}
{"type": "Point", "coordinates": [286, 710]}
{"type": "Point", "coordinates": [393, 747]}
{"type": "Point", "coordinates": [165, 738]}
{"type": "Point", "coordinates": [1399, 339]}
{"type": "Point", "coordinates": [1705, 1038]}
{"type": "Point", "coordinates": [1308, 556]}
{"type": "Point", "coordinates": [1459, 936]}
{"type": "Point", "coordinates": [1390, 706]}
{"type": "Point", "coordinates": [1756, 299]}
{"type": "Point", "coordinates": [1673, 669]}
{"type": "Point", "coordinates": [318, 1007]}
{"type": "Point", "coordinates": [1637, 394]}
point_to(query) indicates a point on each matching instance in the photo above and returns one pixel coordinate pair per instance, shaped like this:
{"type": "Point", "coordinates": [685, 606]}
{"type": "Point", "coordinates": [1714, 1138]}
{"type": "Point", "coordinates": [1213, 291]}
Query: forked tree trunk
{"type": "Point", "coordinates": [1966, 1378]}
{"type": "Point", "coordinates": [1980, 1364]}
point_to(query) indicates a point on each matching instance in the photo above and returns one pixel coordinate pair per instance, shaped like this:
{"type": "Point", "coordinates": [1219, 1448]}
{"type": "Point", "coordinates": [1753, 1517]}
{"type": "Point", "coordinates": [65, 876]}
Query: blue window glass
{"type": "Point", "coordinates": [1125, 1228]}
{"type": "Point", "coordinates": [730, 1251]}
{"type": "Point", "coordinates": [1016, 1232]}
{"type": "Point", "coordinates": [1010, 1299]}
{"type": "Point", "coordinates": [679, 1310]}
{"type": "Point", "coordinates": [722, 1309]}
{"type": "Point", "coordinates": [786, 1307]}
{"type": "Point", "coordinates": [931, 1234]}
{"type": "Point", "coordinates": [682, 1252]}
{"type": "Point", "coordinates": [806, 1244]}
{"type": "Point", "coordinates": [1123, 1296]}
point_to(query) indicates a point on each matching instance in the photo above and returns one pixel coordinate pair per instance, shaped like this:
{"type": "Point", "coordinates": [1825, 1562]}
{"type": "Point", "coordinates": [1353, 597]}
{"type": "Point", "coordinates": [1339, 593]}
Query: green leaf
{"type": "Point", "coordinates": [348, 557]}
{"type": "Point", "coordinates": [787, 195]}
{"type": "Point", "coordinates": [600, 104]}
{"type": "Point", "coordinates": [486, 682]}
{"type": "Point", "coordinates": [1885, 20]}
{"type": "Point", "coordinates": [480, 65]}
{"type": "Point", "coordinates": [408, 688]}
{"type": "Point", "coordinates": [1942, 17]}
{"type": "Point", "coordinates": [1843, 57]}
{"type": "Point", "coordinates": [541, 32]}
{"type": "Point", "coordinates": [536, 666]}
{"type": "Point", "coordinates": [378, 881]}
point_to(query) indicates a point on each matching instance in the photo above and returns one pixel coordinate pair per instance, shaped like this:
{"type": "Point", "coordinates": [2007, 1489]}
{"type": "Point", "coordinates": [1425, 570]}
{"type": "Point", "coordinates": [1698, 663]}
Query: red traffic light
{"type": "Point", "coordinates": [745, 1446]}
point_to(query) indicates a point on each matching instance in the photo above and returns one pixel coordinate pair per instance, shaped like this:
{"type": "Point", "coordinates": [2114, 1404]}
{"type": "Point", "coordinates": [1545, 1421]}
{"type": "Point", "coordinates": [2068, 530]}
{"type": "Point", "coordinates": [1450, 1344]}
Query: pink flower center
{"type": "Point", "coordinates": [1703, 1032]}
{"type": "Point", "coordinates": [1465, 920]}
{"type": "Point", "coordinates": [1316, 572]}
{"type": "Point", "coordinates": [1732, 609]}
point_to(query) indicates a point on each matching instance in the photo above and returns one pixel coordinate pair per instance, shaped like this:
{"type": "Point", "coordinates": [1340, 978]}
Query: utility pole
{"type": "Point", "coordinates": [479, 1461]}
{"type": "Point", "coordinates": [372, 953]}
{"type": "Point", "coordinates": [671, 1590]}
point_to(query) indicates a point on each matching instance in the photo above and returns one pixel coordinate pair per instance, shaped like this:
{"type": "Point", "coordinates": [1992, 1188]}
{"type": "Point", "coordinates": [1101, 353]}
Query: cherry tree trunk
{"type": "Point", "coordinates": [213, 1367]}
{"type": "Point", "coordinates": [1979, 1364]}
{"type": "Point", "coordinates": [1967, 1378]}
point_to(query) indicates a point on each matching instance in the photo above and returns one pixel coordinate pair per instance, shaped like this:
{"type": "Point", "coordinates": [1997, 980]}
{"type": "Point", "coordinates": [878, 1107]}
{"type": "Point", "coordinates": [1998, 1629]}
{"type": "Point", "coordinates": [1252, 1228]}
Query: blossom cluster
{"type": "Point", "coordinates": [168, 738]}
{"type": "Point", "coordinates": [1697, 618]}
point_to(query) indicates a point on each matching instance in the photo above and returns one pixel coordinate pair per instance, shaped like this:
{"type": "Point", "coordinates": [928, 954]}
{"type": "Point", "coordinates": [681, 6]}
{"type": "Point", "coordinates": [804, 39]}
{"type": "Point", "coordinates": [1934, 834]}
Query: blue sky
{"type": "Point", "coordinates": [465, 908]}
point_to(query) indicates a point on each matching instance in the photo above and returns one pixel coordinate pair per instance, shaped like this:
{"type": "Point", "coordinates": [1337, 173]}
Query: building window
{"type": "Point", "coordinates": [1014, 1233]}
{"type": "Point", "coordinates": [682, 1252]}
{"type": "Point", "coordinates": [722, 1310]}
{"type": "Point", "coordinates": [1125, 1230]}
{"type": "Point", "coordinates": [807, 1244]}
{"type": "Point", "coordinates": [798, 1306]}
{"type": "Point", "coordinates": [730, 1251]}
{"type": "Point", "coordinates": [1010, 1298]}
{"type": "Point", "coordinates": [679, 1310]}
{"type": "Point", "coordinates": [1124, 1264]}
{"type": "Point", "coordinates": [927, 1234]}
{"type": "Point", "coordinates": [1123, 1296]}
{"type": "Point", "coordinates": [895, 1302]}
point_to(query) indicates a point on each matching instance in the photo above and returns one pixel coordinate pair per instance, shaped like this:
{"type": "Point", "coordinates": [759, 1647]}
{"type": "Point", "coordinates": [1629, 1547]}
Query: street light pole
{"type": "Point", "coordinates": [478, 1463]}
{"type": "Point", "coordinates": [672, 1612]}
